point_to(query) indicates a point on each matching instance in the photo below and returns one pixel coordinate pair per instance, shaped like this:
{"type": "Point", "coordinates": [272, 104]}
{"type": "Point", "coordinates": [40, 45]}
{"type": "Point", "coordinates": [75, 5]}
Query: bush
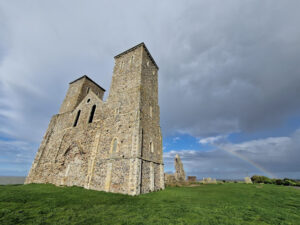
{"type": "Point", "coordinates": [279, 182]}
{"type": "Point", "coordinates": [289, 182]}
{"type": "Point", "coordinates": [261, 179]}
{"type": "Point", "coordinates": [266, 180]}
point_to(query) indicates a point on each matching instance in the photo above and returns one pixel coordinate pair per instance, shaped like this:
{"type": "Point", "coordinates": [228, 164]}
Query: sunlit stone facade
{"type": "Point", "coordinates": [113, 145]}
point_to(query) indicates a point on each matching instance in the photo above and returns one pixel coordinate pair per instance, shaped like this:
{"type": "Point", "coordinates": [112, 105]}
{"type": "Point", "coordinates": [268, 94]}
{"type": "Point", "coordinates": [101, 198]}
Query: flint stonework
{"type": "Point", "coordinates": [113, 145]}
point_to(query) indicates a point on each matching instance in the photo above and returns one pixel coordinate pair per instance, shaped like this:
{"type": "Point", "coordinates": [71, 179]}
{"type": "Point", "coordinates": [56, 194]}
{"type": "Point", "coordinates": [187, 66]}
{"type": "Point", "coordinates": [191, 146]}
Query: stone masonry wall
{"type": "Point", "coordinates": [120, 150]}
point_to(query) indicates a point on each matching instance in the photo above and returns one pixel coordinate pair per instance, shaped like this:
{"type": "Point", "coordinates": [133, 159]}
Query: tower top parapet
{"type": "Point", "coordinates": [85, 76]}
{"type": "Point", "coordinates": [135, 47]}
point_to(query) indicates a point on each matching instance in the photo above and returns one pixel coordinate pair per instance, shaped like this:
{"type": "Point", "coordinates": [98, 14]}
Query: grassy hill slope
{"type": "Point", "coordinates": [205, 204]}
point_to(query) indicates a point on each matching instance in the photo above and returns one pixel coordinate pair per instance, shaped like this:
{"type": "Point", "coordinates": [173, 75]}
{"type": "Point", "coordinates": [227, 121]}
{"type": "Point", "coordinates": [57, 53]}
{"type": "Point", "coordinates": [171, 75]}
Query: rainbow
{"type": "Point", "coordinates": [257, 166]}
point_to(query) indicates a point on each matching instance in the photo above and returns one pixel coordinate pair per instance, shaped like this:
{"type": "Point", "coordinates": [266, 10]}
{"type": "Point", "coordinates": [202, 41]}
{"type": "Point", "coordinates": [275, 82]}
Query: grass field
{"type": "Point", "coordinates": [205, 204]}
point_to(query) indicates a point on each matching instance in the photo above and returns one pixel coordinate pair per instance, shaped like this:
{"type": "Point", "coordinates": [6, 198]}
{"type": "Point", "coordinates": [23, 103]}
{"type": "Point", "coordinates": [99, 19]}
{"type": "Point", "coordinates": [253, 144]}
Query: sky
{"type": "Point", "coordinates": [229, 78]}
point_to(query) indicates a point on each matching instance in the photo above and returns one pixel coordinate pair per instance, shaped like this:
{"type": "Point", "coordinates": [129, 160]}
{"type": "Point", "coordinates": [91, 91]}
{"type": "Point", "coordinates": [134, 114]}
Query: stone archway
{"type": "Point", "coordinates": [73, 165]}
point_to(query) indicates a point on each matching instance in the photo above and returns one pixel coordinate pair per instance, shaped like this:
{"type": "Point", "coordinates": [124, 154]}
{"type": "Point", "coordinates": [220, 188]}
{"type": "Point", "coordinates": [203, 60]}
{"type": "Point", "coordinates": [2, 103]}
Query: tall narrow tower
{"type": "Point", "coordinates": [114, 146]}
{"type": "Point", "coordinates": [134, 95]}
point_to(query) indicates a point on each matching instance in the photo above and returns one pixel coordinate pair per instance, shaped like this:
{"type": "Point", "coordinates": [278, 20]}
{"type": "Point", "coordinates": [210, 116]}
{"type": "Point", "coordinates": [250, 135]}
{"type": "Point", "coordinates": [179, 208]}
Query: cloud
{"type": "Point", "coordinates": [224, 67]}
{"type": "Point", "coordinates": [280, 154]}
{"type": "Point", "coordinates": [274, 156]}
{"type": "Point", "coordinates": [16, 157]}
{"type": "Point", "coordinates": [212, 140]}
{"type": "Point", "coordinates": [235, 70]}
{"type": "Point", "coordinates": [175, 139]}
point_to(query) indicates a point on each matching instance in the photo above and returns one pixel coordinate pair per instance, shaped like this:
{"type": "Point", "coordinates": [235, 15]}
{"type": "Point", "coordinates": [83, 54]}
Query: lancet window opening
{"type": "Point", "coordinates": [92, 114]}
{"type": "Point", "coordinates": [142, 144]}
{"type": "Point", "coordinates": [114, 145]}
{"type": "Point", "coordinates": [77, 118]}
{"type": "Point", "coordinates": [151, 146]}
{"type": "Point", "coordinates": [150, 111]}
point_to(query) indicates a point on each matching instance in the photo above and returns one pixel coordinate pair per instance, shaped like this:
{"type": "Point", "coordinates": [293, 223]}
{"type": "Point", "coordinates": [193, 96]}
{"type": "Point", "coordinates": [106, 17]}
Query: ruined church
{"type": "Point", "coordinates": [113, 145]}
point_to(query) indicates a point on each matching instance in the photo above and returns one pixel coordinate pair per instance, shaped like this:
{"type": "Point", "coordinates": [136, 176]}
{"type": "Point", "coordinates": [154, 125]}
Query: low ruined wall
{"type": "Point", "coordinates": [192, 178]}
{"type": "Point", "coordinates": [170, 179]}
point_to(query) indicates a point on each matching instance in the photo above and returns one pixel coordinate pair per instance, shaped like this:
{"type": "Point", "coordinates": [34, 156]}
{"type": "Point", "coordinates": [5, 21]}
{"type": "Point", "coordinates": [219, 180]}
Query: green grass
{"type": "Point", "coordinates": [206, 204]}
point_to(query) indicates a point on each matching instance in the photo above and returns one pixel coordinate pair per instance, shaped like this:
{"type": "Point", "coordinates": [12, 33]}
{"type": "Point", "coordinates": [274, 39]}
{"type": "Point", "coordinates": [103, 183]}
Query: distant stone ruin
{"type": "Point", "coordinates": [170, 178]}
{"type": "Point", "coordinates": [209, 180]}
{"type": "Point", "coordinates": [248, 180]}
{"type": "Point", "coordinates": [179, 175]}
{"type": "Point", "coordinates": [192, 178]}
{"type": "Point", "coordinates": [179, 171]}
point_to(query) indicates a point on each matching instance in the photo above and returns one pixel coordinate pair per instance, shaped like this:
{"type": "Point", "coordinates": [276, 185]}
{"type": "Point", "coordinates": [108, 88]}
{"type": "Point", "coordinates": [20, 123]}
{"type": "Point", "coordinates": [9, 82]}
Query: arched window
{"type": "Point", "coordinates": [114, 146]}
{"type": "Point", "coordinates": [77, 118]}
{"type": "Point", "coordinates": [150, 111]}
{"type": "Point", "coordinates": [92, 113]}
{"type": "Point", "coordinates": [151, 147]}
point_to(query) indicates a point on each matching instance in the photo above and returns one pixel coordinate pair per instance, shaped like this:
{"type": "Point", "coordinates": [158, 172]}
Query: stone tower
{"type": "Point", "coordinates": [113, 145]}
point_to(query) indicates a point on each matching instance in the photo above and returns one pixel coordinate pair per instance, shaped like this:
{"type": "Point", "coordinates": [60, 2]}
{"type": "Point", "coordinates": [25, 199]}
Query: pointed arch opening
{"type": "Point", "coordinates": [92, 114]}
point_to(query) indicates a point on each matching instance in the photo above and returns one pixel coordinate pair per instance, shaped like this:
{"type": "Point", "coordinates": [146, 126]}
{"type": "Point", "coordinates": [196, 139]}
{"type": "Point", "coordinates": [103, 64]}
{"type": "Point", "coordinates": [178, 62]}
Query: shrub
{"type": "Point", "coordinates": [289, 182]}
{"type": "Point", "coordinates": [279, 182]}
{"type": "Point", "coordinates": [273, 180]}
{"type": "Point", "coordinates": [269, 181]}
{"type": "Point", "coordinates": [261, 179]}
{"type": "Point", "coordinates": [266, 180]}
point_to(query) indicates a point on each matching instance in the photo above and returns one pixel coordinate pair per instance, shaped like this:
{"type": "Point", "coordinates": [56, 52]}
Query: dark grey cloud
{"type": "Point", "coordinates": [224, 66]}
{"type": "Point", "coordinates": [235, 68]}
{"type": "Point", "coordinates": [273, 157]}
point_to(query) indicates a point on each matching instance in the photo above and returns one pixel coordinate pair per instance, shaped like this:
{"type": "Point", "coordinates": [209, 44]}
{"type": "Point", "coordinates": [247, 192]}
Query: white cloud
{"type": "Point", "coordinates": [16, 157]}
{"type": "Point", "coordinates": [212, 140]}
{"type": "Point", "coordinates": [175, 139]}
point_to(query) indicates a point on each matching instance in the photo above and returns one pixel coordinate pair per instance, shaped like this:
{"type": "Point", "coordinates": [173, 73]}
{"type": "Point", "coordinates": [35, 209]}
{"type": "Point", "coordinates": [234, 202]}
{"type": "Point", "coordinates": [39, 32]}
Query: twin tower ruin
{"type": "Point", "coordinates": [113, 145]}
